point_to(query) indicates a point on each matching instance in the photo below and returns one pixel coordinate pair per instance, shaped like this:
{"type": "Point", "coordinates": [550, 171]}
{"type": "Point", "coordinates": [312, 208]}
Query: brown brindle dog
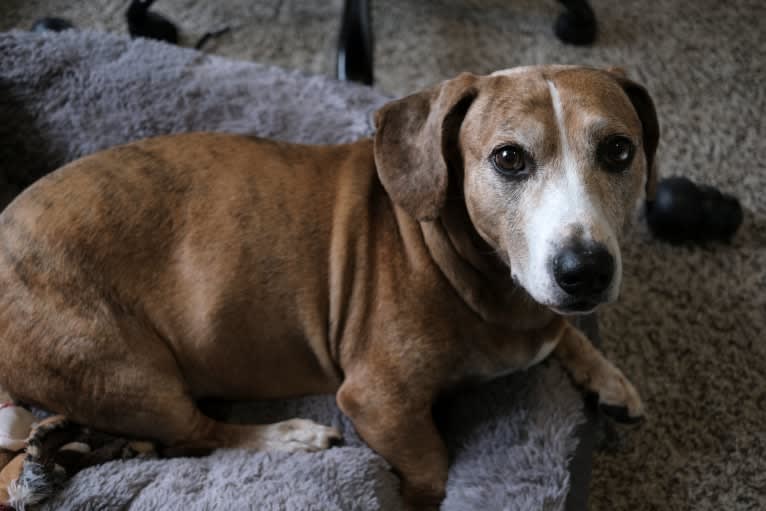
{"type": "Point", "coordinates": [449, 248]}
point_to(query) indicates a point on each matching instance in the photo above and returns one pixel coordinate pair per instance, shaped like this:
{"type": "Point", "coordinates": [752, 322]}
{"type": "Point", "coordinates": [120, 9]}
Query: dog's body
{"type": "Point", "coordinates": [139, 279]}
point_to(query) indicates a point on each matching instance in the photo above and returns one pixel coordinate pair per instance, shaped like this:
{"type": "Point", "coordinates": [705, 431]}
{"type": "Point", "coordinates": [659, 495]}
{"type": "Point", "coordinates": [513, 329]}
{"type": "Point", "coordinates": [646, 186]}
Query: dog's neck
{"type": "Point", "coordinates": [478, 275]}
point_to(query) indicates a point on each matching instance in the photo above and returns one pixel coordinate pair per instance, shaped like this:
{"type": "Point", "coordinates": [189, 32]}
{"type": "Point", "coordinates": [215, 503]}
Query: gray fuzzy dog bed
{"type": "Point", "coordinates": [66, 95]}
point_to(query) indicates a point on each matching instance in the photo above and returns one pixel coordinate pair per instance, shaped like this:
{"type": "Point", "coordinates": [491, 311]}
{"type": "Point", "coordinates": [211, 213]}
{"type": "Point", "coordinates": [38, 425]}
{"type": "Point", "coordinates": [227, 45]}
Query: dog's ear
{"type": "Point", "coordinates": [414, 139]}
{"type": "Point", "coordinates": [650, 127]}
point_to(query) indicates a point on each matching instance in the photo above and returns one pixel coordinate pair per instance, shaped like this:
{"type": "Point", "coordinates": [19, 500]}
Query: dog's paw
{"type": "Point", "coordinates": [618, 398]}
{"type": "Point", "coordinates": [296, 435]}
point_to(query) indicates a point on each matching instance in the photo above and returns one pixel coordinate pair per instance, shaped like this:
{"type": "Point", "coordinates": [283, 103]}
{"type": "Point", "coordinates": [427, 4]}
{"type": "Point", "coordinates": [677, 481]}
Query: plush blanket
{"type": "Point", "coordinates": [66, 95]}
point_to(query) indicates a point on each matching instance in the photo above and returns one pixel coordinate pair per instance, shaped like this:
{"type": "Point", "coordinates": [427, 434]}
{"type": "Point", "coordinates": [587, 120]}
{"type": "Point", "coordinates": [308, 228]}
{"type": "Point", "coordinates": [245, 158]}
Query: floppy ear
{"type": "Point", "coordinates": [414, 139]}
{"type": "Point", "coordinates": [650, 127]}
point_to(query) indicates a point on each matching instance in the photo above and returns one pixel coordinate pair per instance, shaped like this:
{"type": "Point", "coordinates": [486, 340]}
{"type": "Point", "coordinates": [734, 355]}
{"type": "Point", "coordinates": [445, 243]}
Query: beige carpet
{"type": "Point", "coordinates": [690, 328]}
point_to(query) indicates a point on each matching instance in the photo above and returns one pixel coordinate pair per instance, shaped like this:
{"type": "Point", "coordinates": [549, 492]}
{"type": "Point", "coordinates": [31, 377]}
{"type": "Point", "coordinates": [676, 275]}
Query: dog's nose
{"type": "Point", "coordinates": [584, 271]}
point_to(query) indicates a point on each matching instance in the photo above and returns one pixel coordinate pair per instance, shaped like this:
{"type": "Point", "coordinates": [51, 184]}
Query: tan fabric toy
{"type": "Point", "coordinates": [15, 426]}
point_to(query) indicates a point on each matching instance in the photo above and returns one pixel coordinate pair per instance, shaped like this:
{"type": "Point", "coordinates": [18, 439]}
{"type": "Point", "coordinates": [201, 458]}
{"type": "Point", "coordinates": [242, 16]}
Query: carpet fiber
{"type": "Point", "coordinates": [690, 327]}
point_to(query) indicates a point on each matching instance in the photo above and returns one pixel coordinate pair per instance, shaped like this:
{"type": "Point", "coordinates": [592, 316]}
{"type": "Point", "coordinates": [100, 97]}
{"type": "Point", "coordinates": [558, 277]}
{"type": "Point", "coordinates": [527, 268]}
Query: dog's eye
{"type": "Point", "coordinates": [509, 160]}
{"type": "Point", "coordinates": [616, 153]}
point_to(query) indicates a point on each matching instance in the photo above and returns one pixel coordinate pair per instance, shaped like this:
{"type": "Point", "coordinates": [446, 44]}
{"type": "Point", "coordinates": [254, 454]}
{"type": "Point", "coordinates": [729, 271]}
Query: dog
{"type": "Point", "coordinates": [451, 247]}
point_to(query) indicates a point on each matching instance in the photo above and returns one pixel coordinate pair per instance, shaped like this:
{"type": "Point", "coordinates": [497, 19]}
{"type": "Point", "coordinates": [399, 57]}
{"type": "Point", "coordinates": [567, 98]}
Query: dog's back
{"type": "Point", "coordinates": [166, 242]}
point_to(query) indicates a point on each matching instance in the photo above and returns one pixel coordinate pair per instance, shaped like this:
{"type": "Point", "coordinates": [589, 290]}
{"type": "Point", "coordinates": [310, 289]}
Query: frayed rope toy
{"type": "Point", "coordinates": [38, 457]}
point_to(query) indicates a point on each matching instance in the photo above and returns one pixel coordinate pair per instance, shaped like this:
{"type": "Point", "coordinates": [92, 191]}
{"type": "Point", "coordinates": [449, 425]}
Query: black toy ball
{"type": "Point", "coordinates": [142, 23]}
{"type": "Point", "coordinates": [683, 211]}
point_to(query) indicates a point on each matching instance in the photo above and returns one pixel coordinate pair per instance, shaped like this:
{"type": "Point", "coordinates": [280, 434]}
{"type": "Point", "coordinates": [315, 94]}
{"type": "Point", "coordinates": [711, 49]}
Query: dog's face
{"type": "Point", "coordinates": [551, 162]}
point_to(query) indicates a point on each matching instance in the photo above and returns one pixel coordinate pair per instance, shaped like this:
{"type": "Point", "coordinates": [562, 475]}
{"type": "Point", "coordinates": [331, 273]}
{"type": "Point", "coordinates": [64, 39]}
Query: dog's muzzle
{"type": "Point", "coordinates": [584, 272]}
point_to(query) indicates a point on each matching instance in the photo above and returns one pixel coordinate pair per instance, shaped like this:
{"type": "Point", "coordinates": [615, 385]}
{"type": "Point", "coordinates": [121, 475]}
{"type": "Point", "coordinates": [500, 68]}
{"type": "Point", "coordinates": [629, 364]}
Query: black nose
{"type": "Point", "coordinates": [584, 271]}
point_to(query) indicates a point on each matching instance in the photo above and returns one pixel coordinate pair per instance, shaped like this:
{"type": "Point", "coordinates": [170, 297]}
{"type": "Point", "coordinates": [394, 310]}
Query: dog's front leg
{"type": "Point", "coordinates": [590, 369]}
{"type": "Point", "coordinates": [400, 427]}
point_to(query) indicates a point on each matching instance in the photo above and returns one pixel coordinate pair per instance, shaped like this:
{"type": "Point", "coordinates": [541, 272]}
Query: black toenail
{"type": "Point", "coordinates": [620, 414]}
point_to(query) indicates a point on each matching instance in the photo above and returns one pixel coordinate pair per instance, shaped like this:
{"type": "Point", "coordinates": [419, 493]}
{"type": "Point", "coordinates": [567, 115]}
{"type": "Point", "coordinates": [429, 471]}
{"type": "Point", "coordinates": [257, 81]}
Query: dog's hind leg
{"type": "Point", "coordinates": [156, 405]}
{"type": "Point", "coordinates": [181, 428]}
{"type": "Point", "coordinates": [289, 436]}
{"type": "Point", "coordinates": [152, 403]}
{"type": "Point", "coordinates": [113, 374]}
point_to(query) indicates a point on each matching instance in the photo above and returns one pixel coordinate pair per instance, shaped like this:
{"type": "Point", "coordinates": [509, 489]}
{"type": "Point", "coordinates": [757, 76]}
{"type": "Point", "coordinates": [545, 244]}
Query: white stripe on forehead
{"type": "Point", "coordinates": [523, 69]}
{"type": "Point", "coordinates": [577, 199]}
{"type": "Point", "coordinates": [558, 109]}
{"type": "Point", "coordinates": [512, 71]}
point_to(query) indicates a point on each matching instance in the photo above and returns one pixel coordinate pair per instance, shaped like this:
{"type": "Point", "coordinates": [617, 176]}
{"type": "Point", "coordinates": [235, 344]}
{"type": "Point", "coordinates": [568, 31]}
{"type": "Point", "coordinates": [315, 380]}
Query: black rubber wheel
{"type": "Point", "coordinates": [575, 29]}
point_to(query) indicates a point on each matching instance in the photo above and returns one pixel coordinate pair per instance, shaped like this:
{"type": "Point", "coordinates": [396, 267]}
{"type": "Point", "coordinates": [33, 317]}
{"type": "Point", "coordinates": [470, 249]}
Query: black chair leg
{"type": "Point", "coordinates": [355, 43]}
{"type": "Point", "coordinates": [576, 25]}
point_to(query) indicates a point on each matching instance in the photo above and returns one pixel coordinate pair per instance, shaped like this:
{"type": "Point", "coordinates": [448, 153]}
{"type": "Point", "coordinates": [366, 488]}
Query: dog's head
{"type": "Point", "coordinates": [550, 162]}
